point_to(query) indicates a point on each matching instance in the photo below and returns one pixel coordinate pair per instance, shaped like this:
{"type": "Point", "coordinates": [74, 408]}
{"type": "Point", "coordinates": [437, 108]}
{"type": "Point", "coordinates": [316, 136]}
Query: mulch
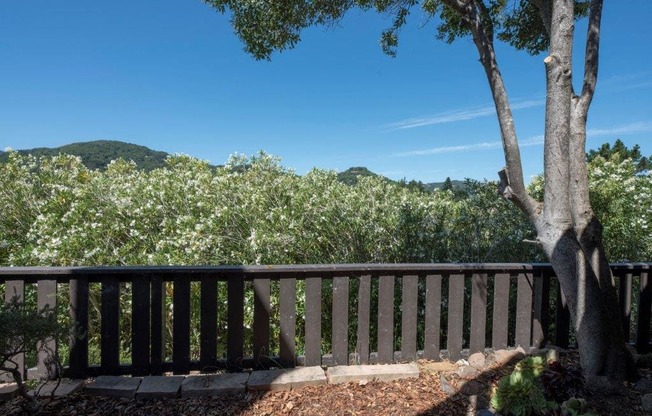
{"type": "Point", "coordinates": [422, 396]}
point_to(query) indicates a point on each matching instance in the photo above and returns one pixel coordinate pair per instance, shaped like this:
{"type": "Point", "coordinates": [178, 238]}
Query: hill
{"type": "Point", "coordinates": [97, 154]}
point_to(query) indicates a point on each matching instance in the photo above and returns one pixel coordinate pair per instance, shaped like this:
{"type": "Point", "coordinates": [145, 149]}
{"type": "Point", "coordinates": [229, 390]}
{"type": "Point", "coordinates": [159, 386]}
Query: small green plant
{"type": "Point", "coordinates": [23, 329]}
{"type": "Point", "coordinates": [519, 393]}
{"type": "Point", "coordinates": [576, 407]}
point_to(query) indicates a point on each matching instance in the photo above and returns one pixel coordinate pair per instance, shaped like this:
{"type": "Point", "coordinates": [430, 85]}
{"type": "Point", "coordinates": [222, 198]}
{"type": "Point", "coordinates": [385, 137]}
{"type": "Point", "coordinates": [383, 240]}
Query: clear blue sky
{"type": "Point", "coordinates": [171, 75]}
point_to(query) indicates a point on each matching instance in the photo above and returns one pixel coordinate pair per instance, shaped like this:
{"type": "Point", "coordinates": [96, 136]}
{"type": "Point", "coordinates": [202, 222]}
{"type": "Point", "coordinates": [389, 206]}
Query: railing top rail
{"type": "Point", "coordinates": [310, 269]}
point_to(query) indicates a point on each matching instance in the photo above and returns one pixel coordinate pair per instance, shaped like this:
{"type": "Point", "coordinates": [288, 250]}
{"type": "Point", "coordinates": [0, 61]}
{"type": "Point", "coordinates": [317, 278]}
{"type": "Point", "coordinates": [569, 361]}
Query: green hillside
{"type": "Point", "coordinates": [97, 154]}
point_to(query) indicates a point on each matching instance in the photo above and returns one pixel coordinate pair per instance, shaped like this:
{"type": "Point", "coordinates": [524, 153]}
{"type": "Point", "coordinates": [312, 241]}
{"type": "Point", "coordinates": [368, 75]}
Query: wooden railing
{"type": "Point", "coordinates": [379, 313]}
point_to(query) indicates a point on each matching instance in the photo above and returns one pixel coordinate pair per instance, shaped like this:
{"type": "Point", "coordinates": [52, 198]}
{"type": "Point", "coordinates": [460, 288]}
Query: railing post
{"type": "Point", "coordinates": [79, 319]}
{"type": "Point", "coordinates": [313, 321]}
{"type": "Point", "coordinates": [140, 325]}
{"type": "Point", "coordinates": [208, 324]}
{"type": "Point", "coordinates": [433, 318]}
{"type": "Point", "coordinates": [47, 366]}
{"type": "Point", "coordinates": [386, 319]}
{"type": "Point", "coordinates": [288, 324]}
{"type": "Point", "coordinates": [500, 320]}
{"type": "Point", "coordinates": [157, 350]}
{"type": "Point", "coordinates": [364, 319]}
{"type": "Point", "coordinates": [340, 329]}
{"type": "Point", "coordinates": [455, 331]}
{"type": "Point", "coordinates": [625, 301]}
{"type": "Point", "coordinates": [540, 320]}
{"type": "Point", "coordinates": [110, 329]}
{"type": "Point", "coordinates": [15, 288]}
{"type": "Point", "coordinates": [644, 309]}
{"type": "Point", "coordinates": [478, 312]}
{"type": "Point", "coordinates": [181, 325]}
{"type": "Point", "coordinates": [410, 294]}
{"type": "Point", "coordinates": [525, 288]}
{"type": "Point", "coordinates": [235, 319]}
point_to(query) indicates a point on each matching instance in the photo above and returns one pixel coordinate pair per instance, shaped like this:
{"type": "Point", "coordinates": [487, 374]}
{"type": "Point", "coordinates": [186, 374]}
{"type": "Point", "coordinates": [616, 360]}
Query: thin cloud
{"type": "Point", "coordinates": [531, 141]}
{"type": "Point", "coordinates": [458, 115]}
{"type": "Point", "coordinates": [638, 127]}
{"type": "Point", "coordinates": [627, 82]}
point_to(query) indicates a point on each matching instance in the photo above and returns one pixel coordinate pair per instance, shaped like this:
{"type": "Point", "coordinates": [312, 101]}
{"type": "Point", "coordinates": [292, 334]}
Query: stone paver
{"type": "Point", "coordinates": [59, 389]}
{"type": "Point", "coordinates": [214, 385]}
{"type": "Point", "coordinates": [8, 391]}
{"type": "Point", "coordinates": [156, 387]}
{"type": "Point", "coordinates": [345, 374]}
{"type": "Point", "coordinates": [114, 386]}
{"type": "Point", "coordinates": [286, 379]}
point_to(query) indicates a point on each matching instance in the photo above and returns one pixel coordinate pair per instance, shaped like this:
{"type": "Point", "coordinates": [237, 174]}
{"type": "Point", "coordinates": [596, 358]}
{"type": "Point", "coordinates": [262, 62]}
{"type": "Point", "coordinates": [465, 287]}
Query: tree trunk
{"type": "Point", "coordinates": [568, 231]}
{"type": "Point", "coordinates": [593, 306]}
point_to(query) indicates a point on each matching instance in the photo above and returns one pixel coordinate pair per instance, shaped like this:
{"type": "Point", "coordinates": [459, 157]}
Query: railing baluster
{"type": "Point", "coordinates": [625, 297]}
{"type": "Point", "coordinates": [478, 312]}
{"type": "Point", "coordinates": [110, 323]}
{"type": "Point", "coordinates": [288, 324]}
{"type": "Point", "coordinates": [46, 367]}
{"type": "Point", "coordinates": [262, 287]}
{"type": "Point", "coordinates": [313, 321]}
{"type": "Point", "coordinates": [158, 325]}
{"type": "Point", "coordinates": [409, 300]}
{"type": "Point", "coordinates": [181, 325]}
{"type": "Point", "coordinates": [340, 328]}
{"type": "Point", "coordinates": [140, 325]}
{"type": "Point", "coordinates": [79, 318]}
{"type": "Point", "coordinates": [208, 322]}
{"type": "Point", "coordinates": [541, 308]}
{"type": "Point", "coordinates": [235, 319]}
{"type": "Point", "coordinates": [500, 321]}
{"type": "Point", "coordinates": [386, 319]}
{"type": "Point", "coordinates": [364, 319]}
{"type": "Point", "coordinates": [15, 288]}
{"type": "Point", "coordinates": [455, 316]}
{"type": "Point", "coordinates": [644, 309]}
{"type": "Point", "coordinates": [524, 288]}
{"type": "Point", "coordinates": [433, 317]}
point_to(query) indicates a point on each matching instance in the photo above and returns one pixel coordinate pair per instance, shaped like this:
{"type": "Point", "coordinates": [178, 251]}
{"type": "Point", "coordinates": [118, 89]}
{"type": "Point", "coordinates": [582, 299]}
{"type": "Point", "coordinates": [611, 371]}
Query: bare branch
{"type": "Point", "coordinates": [591, 56]}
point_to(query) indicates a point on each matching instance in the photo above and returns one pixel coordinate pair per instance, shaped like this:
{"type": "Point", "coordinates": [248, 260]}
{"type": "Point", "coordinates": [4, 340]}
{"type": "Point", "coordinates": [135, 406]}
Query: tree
{"type": "Point", "coordinates": [567, 229]}
{"type": "Point", "coordinates": [448, 185]}
{"type": "Point", "coordinates": [622, 152]}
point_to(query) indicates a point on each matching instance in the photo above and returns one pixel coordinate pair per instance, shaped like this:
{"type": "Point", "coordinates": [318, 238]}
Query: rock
{"type": "Point", "coordinates": [643, 360]}
{"type": "Point", "coordinates": [446, 387]}
{"type": "Point", "coordinates": [478, 361]}
{"type": "Point", "coordinates": [471, 388]}
{"type": "Point", "coordinates": [643, 386]}
{"type": "Point", "coordinates": [485, 412]}
{"type": "Point", "coordinates": [503, 357]}
{"type": "Point", "coordinates": [647, 403]}
{"type": "Point", "coordinates": [466, 372]}
{"type": "Point", "coordinates": [462, 362]}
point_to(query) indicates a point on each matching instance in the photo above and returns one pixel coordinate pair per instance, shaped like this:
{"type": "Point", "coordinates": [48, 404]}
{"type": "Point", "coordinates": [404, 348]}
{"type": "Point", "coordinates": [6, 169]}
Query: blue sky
{"type": "Point", "coordinates": [171, 75]}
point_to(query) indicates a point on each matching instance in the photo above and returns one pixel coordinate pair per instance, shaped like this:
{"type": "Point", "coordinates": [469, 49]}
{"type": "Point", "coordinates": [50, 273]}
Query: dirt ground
{"type": "Point", "coordinates": [423, 396]}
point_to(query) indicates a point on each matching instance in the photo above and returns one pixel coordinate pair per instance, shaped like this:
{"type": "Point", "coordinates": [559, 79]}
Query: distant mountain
{"type": "Point", "coordinates": [350, 176]}
{"type": "Point", "coordinates": [97, 154]}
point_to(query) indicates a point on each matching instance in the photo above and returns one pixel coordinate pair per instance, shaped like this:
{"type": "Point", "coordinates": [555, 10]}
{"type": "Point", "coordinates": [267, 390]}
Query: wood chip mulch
{"type": "Point", "coordinates": [421, 396]}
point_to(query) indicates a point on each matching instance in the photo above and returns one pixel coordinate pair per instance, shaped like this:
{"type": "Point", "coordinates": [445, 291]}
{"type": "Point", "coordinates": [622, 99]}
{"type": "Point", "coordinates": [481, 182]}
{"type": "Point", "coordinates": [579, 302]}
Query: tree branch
{"type": "Point", "coordinates": [591, 56]}
{"type": "Point", "coordinates": [512, 176]}
{"type": "Point", "coordinates": [544, 12]}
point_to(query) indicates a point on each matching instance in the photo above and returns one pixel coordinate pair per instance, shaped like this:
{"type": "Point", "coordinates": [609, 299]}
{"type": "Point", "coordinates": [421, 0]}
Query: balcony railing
{"type": "Point", "coordinates": [362, 313]}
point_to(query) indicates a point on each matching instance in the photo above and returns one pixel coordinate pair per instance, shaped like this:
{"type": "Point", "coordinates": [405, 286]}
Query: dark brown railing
{"type": "Point", "coordinates": [445, 310]}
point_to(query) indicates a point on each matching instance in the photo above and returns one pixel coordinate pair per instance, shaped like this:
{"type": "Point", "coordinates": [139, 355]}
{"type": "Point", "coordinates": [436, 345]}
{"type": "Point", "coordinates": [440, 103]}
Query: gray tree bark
{"type": "Point", "coordinates": [567, 229]}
